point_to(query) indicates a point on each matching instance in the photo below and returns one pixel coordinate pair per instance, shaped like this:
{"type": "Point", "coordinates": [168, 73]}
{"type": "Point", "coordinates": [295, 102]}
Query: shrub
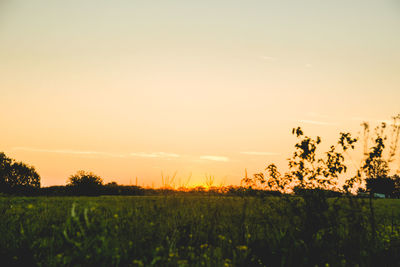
{"type": "Point", "coordinates": [85, 183]}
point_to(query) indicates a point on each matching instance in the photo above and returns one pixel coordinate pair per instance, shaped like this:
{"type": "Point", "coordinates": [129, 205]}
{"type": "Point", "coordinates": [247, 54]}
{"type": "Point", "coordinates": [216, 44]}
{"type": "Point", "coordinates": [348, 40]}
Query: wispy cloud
{"type": "Point", "coordinates": [155, 155]}
{"type": "Point", "coordinates": [369, 120]}
{"type": "Point", "coordinates": [68, 151]}
{"type": "Point", "coordinates": [323, 123]}
{"type": "Point", "coordinates": [359, 119]}
{"type": "Point", "coordinates": [268, 58]}
{"type": "Point", "coordinates": [317, 115]}
{"type": "Point", "coordinates": [260, 153]}
{"type": "Point", "coordinates": [99, 153]}
{"type": "Point", "coordinates": [215, 158]}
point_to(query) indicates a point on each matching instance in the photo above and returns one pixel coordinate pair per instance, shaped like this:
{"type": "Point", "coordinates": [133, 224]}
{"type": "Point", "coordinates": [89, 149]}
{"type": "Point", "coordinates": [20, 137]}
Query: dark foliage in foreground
{"type": "Point", "coordinates": [199, 231]}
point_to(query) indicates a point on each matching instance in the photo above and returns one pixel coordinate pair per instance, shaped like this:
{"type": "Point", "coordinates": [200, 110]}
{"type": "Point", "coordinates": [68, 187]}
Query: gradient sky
{"type": "Point", "coordinates": [132, 89]}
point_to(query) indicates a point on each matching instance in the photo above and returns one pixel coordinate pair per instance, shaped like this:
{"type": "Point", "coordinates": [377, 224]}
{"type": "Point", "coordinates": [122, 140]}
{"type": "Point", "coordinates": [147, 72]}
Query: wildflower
{"type": "Point", "coordinates": [242, 248]}
{"type": "Point", "coordinates": [137, 262]}
{"type": "Point", "coordinates": [30, 206]}
{"type": "Point", "coordinates": [203, 246]}
{"type": "Point", "coordinates": [182, 262]}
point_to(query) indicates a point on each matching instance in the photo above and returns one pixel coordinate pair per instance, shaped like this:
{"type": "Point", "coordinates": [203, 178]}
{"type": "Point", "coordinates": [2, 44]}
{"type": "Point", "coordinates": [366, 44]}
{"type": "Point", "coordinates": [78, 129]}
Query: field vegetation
{"type": "Point", "coordinates": [199, 231]}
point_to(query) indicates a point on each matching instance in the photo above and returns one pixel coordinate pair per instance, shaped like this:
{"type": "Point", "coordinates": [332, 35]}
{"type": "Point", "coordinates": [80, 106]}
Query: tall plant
{"type": "Point", "coordinates": [306, 169]}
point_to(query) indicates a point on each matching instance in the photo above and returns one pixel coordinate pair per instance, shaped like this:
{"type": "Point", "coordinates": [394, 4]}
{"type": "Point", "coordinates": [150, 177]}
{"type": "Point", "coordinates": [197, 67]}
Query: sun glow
{"type": "Point", "coordinates": [128, 89]}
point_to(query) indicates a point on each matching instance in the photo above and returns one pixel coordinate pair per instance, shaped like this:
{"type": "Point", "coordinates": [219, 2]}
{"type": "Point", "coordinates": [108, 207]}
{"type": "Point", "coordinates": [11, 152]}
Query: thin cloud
{"type": "Point", "coordinates": [358, 118]}
{"type": "Point", "coordinates": [155, 155]}
{"type": "Point", "coordinates": [268, 58]}
{"type": "Point", "coordinates": [99, 153]}
{"type": "Point", "coordinates": [388, 122]}
{"type": "Point", "coordinates": [260, 153]}
{"type": "Point", "coordinates": [322, 123]}
{"type": "Point", "coordinates": [67, 151]}
{"type": "Point", "coordinates": [215, 158]}
{"type": "Point", "coordinates": [317, 115]}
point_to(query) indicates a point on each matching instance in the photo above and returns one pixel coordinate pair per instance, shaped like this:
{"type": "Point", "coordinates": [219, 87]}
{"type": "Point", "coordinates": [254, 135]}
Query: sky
{"type": "Point", "coordinates": [137, 90]}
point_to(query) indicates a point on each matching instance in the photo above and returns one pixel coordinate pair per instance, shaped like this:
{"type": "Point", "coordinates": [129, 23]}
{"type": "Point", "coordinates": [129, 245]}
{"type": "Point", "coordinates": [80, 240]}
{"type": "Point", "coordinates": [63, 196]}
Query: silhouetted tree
{"type": "Point", "coordinates": [375, 166]}
{"type": "Point", "coordinates": [17, 176]}
{"type": "Point", "coordinates": [86, 183]}
{"type": "Point", "coordinates": [306, 171]}
{"type": "Point", "coordinates": [396, 181]}
{"type": "Point", "coordinates": [5, 166]}
{"type": "Point", "coordinates": [23, 175]}
{"type": "Point", "coordinates": [313, 172]}
{"type": "Point", "coordinates": [382, 185]}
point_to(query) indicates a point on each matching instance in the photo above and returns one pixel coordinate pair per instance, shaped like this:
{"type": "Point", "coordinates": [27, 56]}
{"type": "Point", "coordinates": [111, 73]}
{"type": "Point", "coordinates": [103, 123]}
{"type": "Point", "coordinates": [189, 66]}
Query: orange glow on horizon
{"type": "Point", "coordinates": [131, 89]}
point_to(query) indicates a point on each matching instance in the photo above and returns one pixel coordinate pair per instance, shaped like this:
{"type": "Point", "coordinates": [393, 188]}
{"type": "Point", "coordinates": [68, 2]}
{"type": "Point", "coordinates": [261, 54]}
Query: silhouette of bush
{"type": "Point", "coordinates": [396, 181]}
{"type": "Point", "coordinates": [125, 190]}
{"type": "Point", "coordinates": [305, 192]}
{"type": "Point", "coordinates": [382, 185]}
{"type": "Point", "coordinates": [85, 183]}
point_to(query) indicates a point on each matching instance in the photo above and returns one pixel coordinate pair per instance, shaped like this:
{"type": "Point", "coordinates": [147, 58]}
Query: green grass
{"type": "Point", "coordinates": [198, 231]}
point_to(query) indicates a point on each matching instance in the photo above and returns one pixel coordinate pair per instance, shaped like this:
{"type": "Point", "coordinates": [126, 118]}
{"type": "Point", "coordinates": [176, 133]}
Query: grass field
{"type": "Point", "coordinates": [198, 231]}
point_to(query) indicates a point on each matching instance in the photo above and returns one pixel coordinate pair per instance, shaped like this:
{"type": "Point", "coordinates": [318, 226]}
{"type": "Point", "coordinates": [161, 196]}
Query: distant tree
{"type": "Point", "coordinates": [86, 183]}
{"type": "Point", "coordinates": [112, 184]}
{"type": "Point", "coordinates": [112, 188]}
{"type": "Point", "coordinates": [23, 175]}
{"type": "Point", "coordinates": [15, 176]}
{"type": "Point", "coordinates": [5, 166]}
{"type": "Point", "coordinates": [396, 181]}
{"type": "Point", "coordinates": [382, 185]}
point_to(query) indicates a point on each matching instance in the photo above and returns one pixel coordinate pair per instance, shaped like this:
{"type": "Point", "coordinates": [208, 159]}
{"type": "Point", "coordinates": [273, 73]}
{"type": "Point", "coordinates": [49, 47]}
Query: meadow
{"type": "Point", "coordinates": [199, 231]}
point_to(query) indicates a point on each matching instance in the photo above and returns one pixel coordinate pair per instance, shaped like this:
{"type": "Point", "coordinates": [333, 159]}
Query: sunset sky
{"type": "Point", "coordinates": [130, 89]}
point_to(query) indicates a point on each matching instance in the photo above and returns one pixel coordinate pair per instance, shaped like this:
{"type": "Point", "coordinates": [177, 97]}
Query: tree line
{"type": "Point", "coordinates": [307, 170]}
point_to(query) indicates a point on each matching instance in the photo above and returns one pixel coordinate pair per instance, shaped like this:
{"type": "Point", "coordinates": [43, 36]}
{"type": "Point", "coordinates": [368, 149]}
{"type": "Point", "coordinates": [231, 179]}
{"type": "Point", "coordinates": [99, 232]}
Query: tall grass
{"type": "Point", "coordinates": [198, 231]}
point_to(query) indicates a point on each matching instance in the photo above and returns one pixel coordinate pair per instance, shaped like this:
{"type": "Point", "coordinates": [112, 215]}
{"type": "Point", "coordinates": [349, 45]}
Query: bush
{"type": "Point", "coordinates": [85, 183]}
{"type": "Point", "coordinates": [383, 185]}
